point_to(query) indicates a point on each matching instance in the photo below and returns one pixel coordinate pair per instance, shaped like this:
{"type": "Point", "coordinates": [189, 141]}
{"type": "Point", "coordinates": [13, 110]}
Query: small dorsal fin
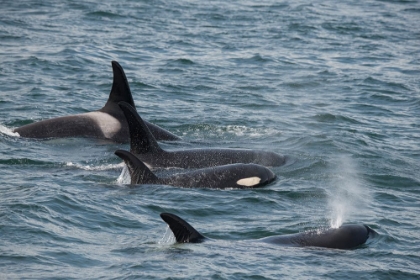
{"type": "Point", "coordinates": [183, 231]}
{"type": "Point", "coordinates": [139, 172]}
{"type": "Point", "coordinates": [120, 90]}
{"type": "Point", "coordinates": [142, 140]}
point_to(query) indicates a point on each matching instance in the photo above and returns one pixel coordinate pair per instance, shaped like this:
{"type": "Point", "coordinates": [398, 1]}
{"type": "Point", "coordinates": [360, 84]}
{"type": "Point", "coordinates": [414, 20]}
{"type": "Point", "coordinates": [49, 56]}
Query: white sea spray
{"type": "Point", "coordinates": [349, 196]}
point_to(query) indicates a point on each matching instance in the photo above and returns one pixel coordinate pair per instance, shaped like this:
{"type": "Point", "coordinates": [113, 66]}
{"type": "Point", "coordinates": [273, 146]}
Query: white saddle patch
{"type": "Point", "coordinates": [107, 123]}
{"type": "Point", "coordinates": [248, 182]}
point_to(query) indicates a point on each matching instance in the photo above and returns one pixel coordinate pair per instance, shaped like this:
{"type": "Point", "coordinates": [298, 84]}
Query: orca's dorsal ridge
{"type": "Point", "coordinates": [139, 172]}
{"type": "Point", "coordinates": [106, 123]}
{"type": "Point", "coordinates": [142, 140]}
{"type": "Point", "coordinates": [144, 144]}
{"type": "Point", "coordinates": [183, 231]}
{"type": "Point", "coordinates": [120, 91]}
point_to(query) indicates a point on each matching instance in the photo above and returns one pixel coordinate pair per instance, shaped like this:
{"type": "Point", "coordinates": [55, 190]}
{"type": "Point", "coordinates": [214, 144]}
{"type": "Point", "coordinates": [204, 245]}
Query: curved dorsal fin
{"type": "Point", "coordinates": [183, 231]}
{"type": "Point", "coordinates": [142, 140]}
{"type": "Point", "coordinates": [139, 172]}
{"type": "Point", "coordinates": [120, 90]}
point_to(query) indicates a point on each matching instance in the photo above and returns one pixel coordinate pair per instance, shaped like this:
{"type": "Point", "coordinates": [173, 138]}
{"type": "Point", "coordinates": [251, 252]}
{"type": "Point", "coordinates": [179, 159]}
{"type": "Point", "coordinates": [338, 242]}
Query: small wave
{"type": "Point", "coordinates": [180, 61]}
{"type": "Point", "coordinates": [96, 168]}
{"type": "Point", "coordinates": [103, 14]}
{"type": "Point", "coordinates": [23, 161]}
{"type": "Point", "coordinates": [255, 59]}
{"type": "Point", "coordinates": [8, 131]}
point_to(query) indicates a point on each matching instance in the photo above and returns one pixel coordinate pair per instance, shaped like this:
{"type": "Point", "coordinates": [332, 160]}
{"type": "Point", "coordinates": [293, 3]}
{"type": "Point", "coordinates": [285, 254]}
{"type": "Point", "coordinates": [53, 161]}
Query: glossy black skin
{"type": "Point", "coordinates": [83, 125]}
{"type": "Point", "coordinates": [347, 236]}
{"type": "Point", "coordinates": [145, 147]}
{"type": "Point", "coordinates": [219, 177]}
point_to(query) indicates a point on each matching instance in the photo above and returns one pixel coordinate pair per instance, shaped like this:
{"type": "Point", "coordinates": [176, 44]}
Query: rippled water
{"type": "Point", "coordinates": [334, 85]}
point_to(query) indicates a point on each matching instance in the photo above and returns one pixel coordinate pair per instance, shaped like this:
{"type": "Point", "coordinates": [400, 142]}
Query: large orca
{"type": "Point", "coordinates": [347, 236]}
{"type": "Point", "coordinates": [107, 123]}
{"type": "Point", "coordinates": [144, 145]}
{"type": "Point", "coordinates": [220, 177]}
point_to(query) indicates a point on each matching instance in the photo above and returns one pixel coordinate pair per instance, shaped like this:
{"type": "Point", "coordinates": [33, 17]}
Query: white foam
{"type": "Point", "coordinates": [236, 130]}
{"type": "Point", "coordinates": [95, 168]}
{"type": "Point", "coordinates": [8, 131]}
{"type": "Point", "coordinates": [240, 130]}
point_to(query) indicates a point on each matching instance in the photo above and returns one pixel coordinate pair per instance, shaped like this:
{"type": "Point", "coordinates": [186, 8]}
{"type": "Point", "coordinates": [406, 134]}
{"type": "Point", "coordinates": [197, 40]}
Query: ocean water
{"type": "Point", "coordinates": [335, 85]}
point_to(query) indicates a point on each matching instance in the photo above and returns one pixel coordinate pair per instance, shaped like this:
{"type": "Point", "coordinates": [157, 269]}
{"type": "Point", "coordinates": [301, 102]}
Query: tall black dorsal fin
{"type": "Point", "coordinates": [142, 140]}
{"type": "Point", "coordinates": [139, 172]}
{"type": "Point", "coordinates": [183, 231]}
{"type": "Point", "coordinates": [120, 90]}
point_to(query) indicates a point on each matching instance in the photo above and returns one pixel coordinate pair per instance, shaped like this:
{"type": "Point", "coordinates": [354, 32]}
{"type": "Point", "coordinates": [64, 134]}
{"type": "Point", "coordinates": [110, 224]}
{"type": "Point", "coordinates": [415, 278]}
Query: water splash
{"type": "Point", "coordinates": [95, 168]}
{"type": "Point", "coordinates": [226, 132]}
{"type": "Point", "coordinates": [349, 196]}
{"type": "Point", "coordinates": [8, 131]}
{"type": "Point", "coordinates": [240, 130]}
{"type": "Point", "coordinates": [168, 238]}
{"type": "Point", "coordinates": [124, 177]}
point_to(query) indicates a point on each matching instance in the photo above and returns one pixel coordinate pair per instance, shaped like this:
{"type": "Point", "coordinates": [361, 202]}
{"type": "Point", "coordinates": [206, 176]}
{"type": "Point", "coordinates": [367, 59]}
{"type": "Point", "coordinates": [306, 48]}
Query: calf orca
{"type": "Point", "coordinates": [107, 123]}
{"type": "Point", "coordinates": [219, 177]}
{"type": "Point", "coordinates": [345, 237]}
{"type": "Point", "coordinates": [144, 145]}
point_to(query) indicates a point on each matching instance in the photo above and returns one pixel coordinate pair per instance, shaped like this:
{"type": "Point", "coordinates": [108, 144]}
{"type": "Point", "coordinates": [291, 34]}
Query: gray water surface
{"type": "Point", "coordinates": [332, 84]}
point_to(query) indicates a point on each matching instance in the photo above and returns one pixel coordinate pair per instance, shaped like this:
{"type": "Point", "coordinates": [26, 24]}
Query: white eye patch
{"type": "Point", "coordinates": [248, 182]}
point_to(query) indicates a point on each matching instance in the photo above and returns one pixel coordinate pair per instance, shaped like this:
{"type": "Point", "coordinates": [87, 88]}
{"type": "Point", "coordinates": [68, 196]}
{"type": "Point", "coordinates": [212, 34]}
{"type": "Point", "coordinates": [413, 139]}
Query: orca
{"type": "Point", "coordinates": [347, 236]}
{"type": "Point", "coordinates": [107, 123]}
{"type": "Point", "coordinates": [220, 177]}
{"type": "Point", "coordinates": [144, 145]}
